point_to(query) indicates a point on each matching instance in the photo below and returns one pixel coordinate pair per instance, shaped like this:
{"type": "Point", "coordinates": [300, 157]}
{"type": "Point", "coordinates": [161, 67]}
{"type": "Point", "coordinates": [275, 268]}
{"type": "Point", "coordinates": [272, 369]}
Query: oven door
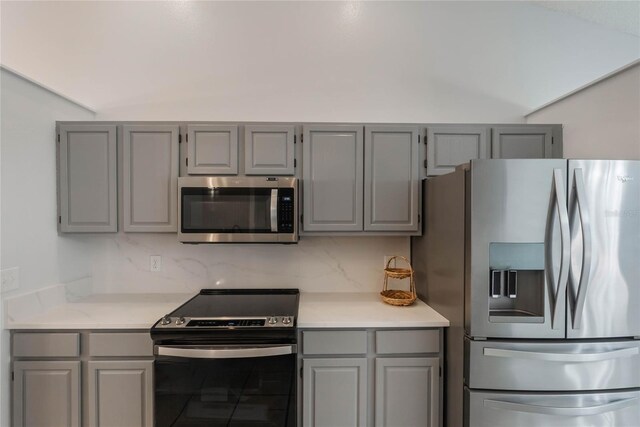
{"type": "Point", "coordinates": [225, 386]}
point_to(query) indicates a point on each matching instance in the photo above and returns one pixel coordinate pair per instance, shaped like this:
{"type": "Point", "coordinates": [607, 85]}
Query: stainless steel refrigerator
{"type": "Point", "coordinates": [536, 264]}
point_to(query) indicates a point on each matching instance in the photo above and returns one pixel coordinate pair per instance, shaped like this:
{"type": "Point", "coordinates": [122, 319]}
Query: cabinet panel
{"type": "Point", "coordinates": [521, 142]}
{"type": "Point", "coordinates": [150, 178]}
{"type": "Point", "coordinates": [212, 149]}
{"type": "Point", "coordinates": [450, 146]}
{"type": "Point", "coordinates": [334, 342]}
{"type": "Point", "coordinates": [407, 341]}
{"type": "Point", "coordinates": [87, 178]}
{"type": "Point", "coordinates": [47, 344]}
{"type": "Point", "coordinates": [335, 392]}
{"type": "Point", "coordinates": [120, 393]}
{"type": "Point", "coordinates": [46, 394]}
{"type": "Point", "coordinates": [333, 178]}
{"type": "Point", "coordinates": [269, 150]}
{"type": "Point", "coordinates": [120, 344]}
{"type": "Point", "coordinates": [407, 392]}
{"type": "Point", "coordinates": [391, 194]}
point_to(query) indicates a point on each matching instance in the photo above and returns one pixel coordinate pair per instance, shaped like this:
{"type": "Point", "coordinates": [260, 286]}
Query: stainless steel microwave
{"type": "Point", "coordinates": [237, 210]}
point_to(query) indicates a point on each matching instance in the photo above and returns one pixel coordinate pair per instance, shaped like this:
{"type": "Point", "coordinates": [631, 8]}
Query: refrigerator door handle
{"type": "Point", "coordinates": [583, 211]}
{"type": "Point", "coordinates": [563, 357]}
{"type": "Point", "coordinates": [559, 198]}
{"type": "Point", "coordinates": [561, 411]}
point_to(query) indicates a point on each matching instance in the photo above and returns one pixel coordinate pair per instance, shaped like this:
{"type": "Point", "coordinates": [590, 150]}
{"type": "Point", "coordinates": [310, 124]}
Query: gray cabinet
{"type": "Point", "coordinates": [150, 178]}
{"type": "Point", "coordinates": [269, 149]}
{"type": "Point", "coordinates": [451, 145]}
{"type": "Point", "coordinates": [333, 177]}
{"type": "Point", "coordinates": [120, 393]}
{"type": "Point", "coordinates": [46, 393]}
{"type": "Point", "coordinates": [87, 168]}
{"type": "Point", "coordinates": [335, 392]}
{"type": "Point", "coordinates": [407, 392]}
{"type": "Point", "coordinates": [521, 142]}
{"type": "Point", "coordinates": [391, 178]}
{"type": "Point", "coordinates": [212, 149]}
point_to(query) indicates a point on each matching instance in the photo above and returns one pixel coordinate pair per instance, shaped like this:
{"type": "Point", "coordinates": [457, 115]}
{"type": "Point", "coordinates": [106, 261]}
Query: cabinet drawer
{"type": "Point", "coordinates": [412, 341]}
{"type": "Point", "coordinates": [334, 342]}
{"type": "Point", "coordinates": [46, 345]}
{"type": "Point", "coordinates": [120, 344]}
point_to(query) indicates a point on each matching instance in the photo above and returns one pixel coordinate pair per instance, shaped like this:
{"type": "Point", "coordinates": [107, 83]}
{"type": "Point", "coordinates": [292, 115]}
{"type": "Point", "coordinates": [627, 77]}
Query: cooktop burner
{"type": "Point", "coordinates": [216, 309]}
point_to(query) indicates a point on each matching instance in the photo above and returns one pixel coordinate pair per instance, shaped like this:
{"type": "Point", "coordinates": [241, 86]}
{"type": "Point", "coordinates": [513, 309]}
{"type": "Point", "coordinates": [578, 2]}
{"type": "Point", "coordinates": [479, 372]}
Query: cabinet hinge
{"type": "Point", "coordinates": [425, 140]}
{"type": "Point", "coordinates": [301, 218]}
{"type": "Point", "coordinates": [186, 137]}
{"type": "Point", "coordinates": [179, 139]}
{"type": "Point", "coordinates": [187, 159]}
{"type": "Point", "coordinates": [295, 163]}
{"type": "Point", "coordinates": [301, 138]}
{"type": "Point", "coordinates": [425, 164]}
{"type": "Point", "coordinates": [59, 220]}
{"type": "Point", "coordinates": [418, 217]}
{"type": "Point", "coordinates": [294, 138]}
{"type": "Point", "coordinates": [58, 137]}
{"type": "Point", "coordinates": [551, 140]}
{"type": "Point", "coordinates": [13, 376]}
{"type": "Point", "coordinates": [418, 139]}
{"type": "Point", "coordinates": [440, 371]}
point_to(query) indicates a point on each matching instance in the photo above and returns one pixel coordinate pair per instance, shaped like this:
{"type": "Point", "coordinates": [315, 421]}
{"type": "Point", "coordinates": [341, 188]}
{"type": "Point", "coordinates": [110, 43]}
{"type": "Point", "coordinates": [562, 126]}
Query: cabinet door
{"type": "Point", "coordinates": [407, 392]}
{"type": "Point", "coordinates": [450, 146]}
{"type": "Point", "coordinates": [269, 150]}
{"type": "Point", "coordinates": [212, 150]}
{"type": "Point", "coordinates": [46, 394]}
{"type": "Point", "coordinates": [121, 393]}
{"type": "Point", "coordinates": [391, 178]}
{"type": "Point", "coordinates": [334, 393]}
{"type": "Point", "coordinates": [332, 172]}
{"type": "Point", "coordinates": [521, 142]}
{"type": "Point", "coordinates": [150, 178]}
{"type": "Point", "coordinates": [87, 178]}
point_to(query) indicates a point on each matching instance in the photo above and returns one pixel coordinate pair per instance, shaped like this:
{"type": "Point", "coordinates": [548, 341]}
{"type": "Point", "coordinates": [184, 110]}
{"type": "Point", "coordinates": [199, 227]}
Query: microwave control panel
{"type": "Point", "coordinates": [286, 203]}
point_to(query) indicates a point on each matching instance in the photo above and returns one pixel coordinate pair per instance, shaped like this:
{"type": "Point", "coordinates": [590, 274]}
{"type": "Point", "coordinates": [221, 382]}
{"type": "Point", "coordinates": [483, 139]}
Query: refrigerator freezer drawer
{"type": "Point", "coordinates": [545, 366]}
{"type": "Point", "coordinates": [491, 409]}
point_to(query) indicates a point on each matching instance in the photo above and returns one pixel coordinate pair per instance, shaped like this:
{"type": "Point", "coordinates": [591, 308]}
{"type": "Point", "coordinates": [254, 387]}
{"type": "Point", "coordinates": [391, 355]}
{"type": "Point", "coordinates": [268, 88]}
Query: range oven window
{"type": "Point", "coordinates": [225, 392]}
{"type": "Point", "coordinates": [226, 210]}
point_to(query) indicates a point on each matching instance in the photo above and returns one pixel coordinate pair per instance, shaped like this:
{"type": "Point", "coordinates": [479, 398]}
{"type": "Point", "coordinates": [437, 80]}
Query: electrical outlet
{"type": "Point", "coordinates": [155, 263]}
{"type": "Point", "coordinates": [10, 279]}
{"type": "Point", "coordinates": [386, 260]}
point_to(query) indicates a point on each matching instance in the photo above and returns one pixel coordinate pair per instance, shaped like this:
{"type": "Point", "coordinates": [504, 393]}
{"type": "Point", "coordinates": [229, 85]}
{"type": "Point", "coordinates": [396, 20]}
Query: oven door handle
{"type": "Point", "coordinates": [201, 352]}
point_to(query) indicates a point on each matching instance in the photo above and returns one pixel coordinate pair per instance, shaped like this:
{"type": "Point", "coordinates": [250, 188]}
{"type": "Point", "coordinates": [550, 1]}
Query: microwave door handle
{"type": "Point", "coordinates": [274, 210]}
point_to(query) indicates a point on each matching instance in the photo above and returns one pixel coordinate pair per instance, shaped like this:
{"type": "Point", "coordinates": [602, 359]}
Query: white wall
{"type": "Point", "coordinates": [28, 187]}
{"type": "Point", "coordinates": [601, 121]}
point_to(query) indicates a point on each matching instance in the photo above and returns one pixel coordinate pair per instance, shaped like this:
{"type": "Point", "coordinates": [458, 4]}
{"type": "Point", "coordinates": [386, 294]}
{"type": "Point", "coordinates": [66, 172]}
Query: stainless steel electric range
{"type": "Point", "coordinates": [227, 358]}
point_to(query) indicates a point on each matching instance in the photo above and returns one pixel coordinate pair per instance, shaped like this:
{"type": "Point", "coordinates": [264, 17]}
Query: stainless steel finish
{"type": "Point", "coordinates": [273, 209]}
{"type": "Point", "coordinates": [557, 288]}
{"type": "Point", "coordinates": [217, 352]}
{"type": "Point", "coordinates": [180, 321]}
{"type": "Point", "coordinates": [577, 296]}
{"type": "Point", "coordinates": [612, 294]}
{"type": "Point", "coordinates": [272, 320]}
{"type": "Point", "coordinates": [165, 320]}
{"type": "Point", "coordinates": [238, 182]}
{"type": "Point", "coordinates": [508, 201]}
{"type": "Point", "coordinates": [183, 322]}
{"type": "Point", "coordinates": [552, 366]}
{"type": "Point", "coordinates": [286, 320]}
{"type": "Point", "coordinates": [495, 409]}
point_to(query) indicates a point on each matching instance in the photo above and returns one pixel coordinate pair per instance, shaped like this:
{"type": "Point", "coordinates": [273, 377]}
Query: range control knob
{"type": "Point", "coordinates": [272, 320]}
{"type": "Point", "coordinates": [165, 320]}
{"type": "Point", "coordinates": [286, 320]}
{"type": "Point", "coordinates": [180, 321]}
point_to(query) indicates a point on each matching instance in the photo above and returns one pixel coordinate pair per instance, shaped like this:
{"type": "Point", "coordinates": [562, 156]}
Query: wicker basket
{"type": "Point", "coordinates": [396, 296]}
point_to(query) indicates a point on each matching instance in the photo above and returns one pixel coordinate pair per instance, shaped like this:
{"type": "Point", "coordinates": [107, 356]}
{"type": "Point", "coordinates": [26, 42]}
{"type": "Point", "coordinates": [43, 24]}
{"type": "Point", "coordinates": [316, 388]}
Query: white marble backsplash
{"type": "Point", "coordinates": [316, 264]}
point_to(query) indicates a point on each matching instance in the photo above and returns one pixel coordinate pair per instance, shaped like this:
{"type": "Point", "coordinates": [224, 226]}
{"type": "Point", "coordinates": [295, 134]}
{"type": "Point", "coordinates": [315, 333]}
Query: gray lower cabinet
{"type": "Point", "coordinates": [451, 145]}
{"type": "Point", "coordinates": [212, 149]}
{"type": "Point", "coordinates": [46, 393]}
{"type": "Point", "coordinates": [150, 162]}
{"type": "Point", "coordinates": [269, 149]}
{"type": "Point", "coordinates": [87, 186]}
{"type": "Point", "coordinates": [521, 142]}
{"type": "Point", "coordinates": [74, 378]}
{"type": "Point", "coordinates": [332, 177]}
{"type": "Point", "coordinates": [391, 178]}
{"type": "Point", "coordinates": [371, 377]}
{"type": "Point", "coordinates": [335, 392]}
{"type": "Point", "coordinates": [120, 393]}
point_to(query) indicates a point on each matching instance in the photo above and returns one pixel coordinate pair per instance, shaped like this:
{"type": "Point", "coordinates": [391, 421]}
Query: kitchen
{"type": "Point", "coordinates": [318, 75]}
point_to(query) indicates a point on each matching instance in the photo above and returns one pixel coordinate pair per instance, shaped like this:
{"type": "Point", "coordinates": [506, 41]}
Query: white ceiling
{"type": "Point", "coordinates": [375, 61]}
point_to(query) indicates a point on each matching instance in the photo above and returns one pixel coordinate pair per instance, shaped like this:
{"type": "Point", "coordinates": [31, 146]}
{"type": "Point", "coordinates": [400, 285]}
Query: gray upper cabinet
{"type": "Point", "coordinates": [269, 149]}
{"type": "Point", "coordinates": [212, 150]}
{"type": "Point", "coordinates": [46, 394]}
{"type": "Point", "coordinates": [150, 178]}
{"type": "Point", "coordinates": [521, 142]}
{"type": "Point", "coordinates": [87, 178]}
{"type": "Point", "coordinates": [333, 177]}
{"type": "Point", "coordinates": [120, 393]}
{"type": "Point", "coordinates": [407, 392]}
{"type": "Point", "coordinates": [451, 145]}
{"type": "Point", "coordinates": [391, 178]}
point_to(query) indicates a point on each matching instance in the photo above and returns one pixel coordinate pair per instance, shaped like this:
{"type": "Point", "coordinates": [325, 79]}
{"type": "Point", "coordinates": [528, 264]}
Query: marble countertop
{"type": "Point", "coordinates": [317, 310]}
